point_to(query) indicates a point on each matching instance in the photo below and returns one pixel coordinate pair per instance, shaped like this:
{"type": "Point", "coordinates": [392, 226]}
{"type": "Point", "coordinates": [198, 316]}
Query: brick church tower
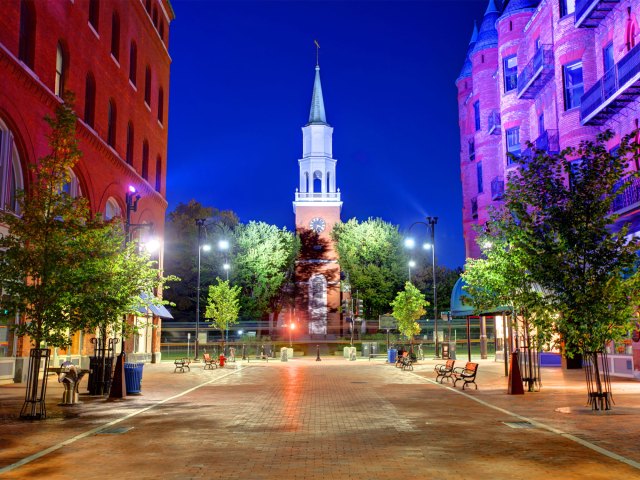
{"type": "Point", "coordinates": [317, 208]}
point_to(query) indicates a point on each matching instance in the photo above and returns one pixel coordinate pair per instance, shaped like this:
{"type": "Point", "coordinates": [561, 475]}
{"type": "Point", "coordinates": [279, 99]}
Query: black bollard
{"type": "Point", "coordinates": [318, 353]}
{"type": "Point", "coordinates": [244, 356]}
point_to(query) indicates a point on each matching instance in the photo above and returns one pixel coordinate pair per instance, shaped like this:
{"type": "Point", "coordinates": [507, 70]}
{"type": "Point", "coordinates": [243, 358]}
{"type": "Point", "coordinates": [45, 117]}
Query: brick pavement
{"type": "Point", "coordinates": [331, 419]}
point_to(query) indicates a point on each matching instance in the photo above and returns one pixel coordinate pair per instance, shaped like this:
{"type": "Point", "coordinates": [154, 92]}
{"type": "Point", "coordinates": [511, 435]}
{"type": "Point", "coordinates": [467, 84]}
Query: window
{"type": "Point", "coordinates": [133, 62]}
{"type": "Point", "coordinates": [538, 43]}
{"type": "Point", "coordinates": [479, 176]}
{"type": "Point", "coordinates": [472, 150]}
{"type": "Point", "coordinates": [112, 209]}
{"type": "Point", "coordinates": [155, 16]}
{"type": "Point", "coordinates": [567, 7]}
{"type": "Point", "coordinates": [11, 180]}
{"type": "Point", "coordinates": [161, 30]}
{"type": "Point", "coordinates": [27, 46]}
{"type": "Point", "coordinates": [510, 73]}
{"type": "Point", "coordinates": [115, 36]}
{"type": "Point", "coordinates": [61, 71]}
{"type": "Point", "coordinates": [573, 87]}
{"type": "Point", "coordinates": [145, 160]}
{"type": "Point", "coordinates": [541, 125]}
{"type": "Point", "coordinates": [130, 140]}
{"type": "Point", "coordinates": [111, 123]}
{"type": "Point", "coordinates": [158, 173]}
{"type": "Point", "coordinates": [476, 113]}
{"type": "Point", "coordinates": [94, 13]}
{"type": "Point", "coordinates": [607, 57]}
{"type": "Point", "coordinates": [513, 144]}
{"type": "Point", "coordinates": [72, 186]}
{"type": "Point", "coordinates": [160, 105]}
{"type": "Point", "coordinates": [89, 100]}
{"type": "Point", "coordinates": [147, 86]}
{"type": "Point", "coordinates": [147, 6]}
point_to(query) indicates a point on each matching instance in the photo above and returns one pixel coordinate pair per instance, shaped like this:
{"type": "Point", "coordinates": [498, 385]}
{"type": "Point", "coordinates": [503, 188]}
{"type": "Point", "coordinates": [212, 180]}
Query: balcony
{"type": "Point", "coordinates": [537, 73]}
{"type": "Point", "coordinates": [629, 198]}
{"type": "Point", "coordinates": [497, 188]}
{"type": "Point", "coordinates": [494, 123]}
{"type": "Point", "coordinates": [474, 207]}
{"type": "Point", "coordinates": [318, 197]}
{"type": "Point", "coordinates": [548, 142]}
{"type": "Point", "coordinates": [589, 13]}
{"type": "Point", "coordinates": [618, 87]}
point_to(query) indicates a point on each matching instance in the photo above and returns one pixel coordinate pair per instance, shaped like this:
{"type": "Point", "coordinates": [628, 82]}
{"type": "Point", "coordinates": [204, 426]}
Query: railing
{"type": "Point", "coordinates": [494, 122]}
{"type": "Point", "coordinates": [610, 86]}
{"type": "Point", "coordinates": [589, 13]}
{"type": "Point", "coordinates": [548, 141]}
{"type": "Point", "coordinates": [497, 188]}
{"type": "Point", "coordinates": [629, 197]}
{"type": "Point", "coordinates": [474, 207]}
{"type": "Point", "coordinates": [542, 62]}
{"type": "Point", "coordinates": [318, 197]}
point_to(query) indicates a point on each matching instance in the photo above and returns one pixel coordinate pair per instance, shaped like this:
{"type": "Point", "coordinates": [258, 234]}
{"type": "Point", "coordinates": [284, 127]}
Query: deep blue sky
{"type": "Point", "coordinates": [241, 84]}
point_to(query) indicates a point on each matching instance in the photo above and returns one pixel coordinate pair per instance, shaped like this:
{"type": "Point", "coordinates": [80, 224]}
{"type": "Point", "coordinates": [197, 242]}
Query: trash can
{"type": "Point", "coordinates": [374, 349]}
{"type": "Point", "coordinates": [346, 351]}
{"type": "Point", "coordinates": [452, 350]}
{"type": "Point", "coordinates": [133, 377]}
{"type": "Point", "coordinates": [284, 354]}
{"type": "Point", "coordinates": [352, 353]}
{"type": "Point", "coordinates": [445, 350]}
{"type": "Point", "coordinates": [222, 359]}
{"type": "Point", "coordinates": [392, 354]}
{"type": "Point", "coordinates": [366, 350]}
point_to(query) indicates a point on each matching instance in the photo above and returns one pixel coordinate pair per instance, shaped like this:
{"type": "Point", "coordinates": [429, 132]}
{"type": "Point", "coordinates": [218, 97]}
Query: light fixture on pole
{"type": "Point", "coordinates": [411, 265]}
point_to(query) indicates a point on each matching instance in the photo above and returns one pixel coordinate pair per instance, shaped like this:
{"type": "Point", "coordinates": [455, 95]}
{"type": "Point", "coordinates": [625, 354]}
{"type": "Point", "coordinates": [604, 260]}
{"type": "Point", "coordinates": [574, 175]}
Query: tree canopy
{"type": "Point", "coordinates": [408, 306]}
{"type": "Point", "coordinates": [223, 304]}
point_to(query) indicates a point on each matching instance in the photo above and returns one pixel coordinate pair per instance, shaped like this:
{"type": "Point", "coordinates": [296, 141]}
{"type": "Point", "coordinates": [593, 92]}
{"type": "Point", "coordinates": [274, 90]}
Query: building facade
{"type": "Point", "coordinates": [114, 57]}
{"type": "Point", "coordinates": [317, 208]}
{"type": "Point", "coordinates": [551, 72]}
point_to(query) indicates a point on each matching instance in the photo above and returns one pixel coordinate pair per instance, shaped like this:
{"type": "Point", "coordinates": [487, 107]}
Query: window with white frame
{"type": "Point", "coordinates": [573, 86]}
{"type": "Point", "coordinates": [112, 209]}
{"type": "Point", "coordinates": [72, 187]}
{"type": "Point", "coordinates": [513, 144]}
{"type": "Point", "coordinates": [510, 73]}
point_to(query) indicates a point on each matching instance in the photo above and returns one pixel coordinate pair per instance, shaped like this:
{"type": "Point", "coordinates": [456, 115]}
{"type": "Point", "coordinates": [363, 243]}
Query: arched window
{"type": "Point", "coordinates": [112, 209]}
{"type": "Point", "coordinates": [115, 36]}
{"type": "Point", "coordinates": [27, 47]}
{"type": "Point", "coordinates": [155, 16]}
{"type": "Point", "coordinates": [147, 85]}
{"type": "Point", "coordinates": [12, 179]}
{"type": "Point", "coordinates": [145, 160]}
{"type": "Point", "coordinates": [328, 189]}
{"type": "Point", "coordinates": [158, 173]}
{"type": "Point", "coordinates": [306, 182]}
{"type": "Point", "coordinates": [147, 6]}
{"type": "Point", "coordinates": [130, 142]}
{"type": "Point", "coordinates": [61, 70]}
{"type": "Point", "coordinates": [90, 100]}
{"type": "Point", "coordinates": [94, 13]}
{"type": "Point", "coordinates": [133, 62]}
{"type": "Point", "coordinates": [317, 181]}
{"type": "Point", "coordinates": [161, 30]}
{"type": "Point", "coordinates": [72, 187]}
{"type": "Point", "coordinates": [160, 105]}
{"type": "Point", "coordinates": [112, 117]}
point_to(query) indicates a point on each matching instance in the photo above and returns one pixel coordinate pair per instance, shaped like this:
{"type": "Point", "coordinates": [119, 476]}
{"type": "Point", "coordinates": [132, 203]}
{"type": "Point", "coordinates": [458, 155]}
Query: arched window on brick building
{"type": "Point", "coordinates": [72, 187]}
{"type": "Point", "coordinates": [147, 85]}
{"type": "Point", "coordinates": [130, 143]}
{"type": "Point", "coordinates": [112, 209]}
{"type": "Point", "coordinates": [27, 45]}
{"type": "Point", "coordinates": [155, 16]}
{"type": "Point", "coordinates": [133, 62]}
{"type": "Point", "coordinates": [12, 179]}
{"type": "Point", "coordinates": [94, 13]}
{"type": "Point", "coordinates": [145, 160]}
{"type": "Point", "coordinates": [112, 118]}
{"type": "Point", "coordinates": [62, 67]}
{"type": "Point", "coordinates": [161, 31]}
{"type": "Point", "coordinates": [90, 100]}
{"type": "Point", "coordinates": [115, 35]}
{"type": "Point", "coordinates": [160, 105]}
{"type": "Point", "coordinates": [158, 173]}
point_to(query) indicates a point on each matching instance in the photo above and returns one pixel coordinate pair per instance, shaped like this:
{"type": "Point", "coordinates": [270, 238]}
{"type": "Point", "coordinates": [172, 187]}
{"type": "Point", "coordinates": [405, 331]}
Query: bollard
{"type": "Point", "coordinates": [318, 353]}
{"type": "Point", "coordinates": [244, 356]}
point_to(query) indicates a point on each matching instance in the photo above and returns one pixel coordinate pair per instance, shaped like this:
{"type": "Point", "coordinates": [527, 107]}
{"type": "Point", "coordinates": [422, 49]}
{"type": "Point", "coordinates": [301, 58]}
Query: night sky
{"type": "Point", "coordinates": [241, 85]}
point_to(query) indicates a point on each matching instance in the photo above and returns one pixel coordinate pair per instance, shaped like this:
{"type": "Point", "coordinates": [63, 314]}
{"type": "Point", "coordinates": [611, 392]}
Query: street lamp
{"type": "Point", "coordinates": [411, 265]}
{"type": "Point", "coordinates": [410, 243]}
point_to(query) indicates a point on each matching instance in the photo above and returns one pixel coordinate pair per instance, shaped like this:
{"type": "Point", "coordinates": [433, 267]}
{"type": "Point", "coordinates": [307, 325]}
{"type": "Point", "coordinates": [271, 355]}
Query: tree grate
{"type": "Point", "coordinates": [114, 430]}
{"type": "Point", "coordinates": [519, 424]}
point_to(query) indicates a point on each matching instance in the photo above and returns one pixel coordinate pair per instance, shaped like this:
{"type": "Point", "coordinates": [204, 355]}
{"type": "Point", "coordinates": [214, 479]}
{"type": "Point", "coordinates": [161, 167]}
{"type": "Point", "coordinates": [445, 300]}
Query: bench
{"type": "Point", "coordinates": [378, 355]}
{"type": "Point", "coordinates": [466, 374]}
{"type": "Point", "coordinates": [404, 362]}
{"type": "Point", "coordinates": [444, 370]}
{"type": "Point", "coordinates": [181, 364]}
{"type": "Point", "coordinates": [209, 362]}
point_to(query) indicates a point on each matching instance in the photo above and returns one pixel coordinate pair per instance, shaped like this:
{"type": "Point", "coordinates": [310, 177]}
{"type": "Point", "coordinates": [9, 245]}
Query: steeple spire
{"type": "Point", "coordinates": [317, 115]}
{"type": "Point", "coordinates": [474, 35]}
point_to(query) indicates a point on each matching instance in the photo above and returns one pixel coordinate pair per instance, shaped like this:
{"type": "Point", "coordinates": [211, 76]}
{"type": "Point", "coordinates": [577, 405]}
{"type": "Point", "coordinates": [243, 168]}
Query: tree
{"type": "Point", "coordinates": [372, 256]}
{"type": "Point", "coordinates": [223, 304]}
{"type": "Point", "coordinates": [263, 259]}
{"type": "Point", "coordinates": [408, 307]}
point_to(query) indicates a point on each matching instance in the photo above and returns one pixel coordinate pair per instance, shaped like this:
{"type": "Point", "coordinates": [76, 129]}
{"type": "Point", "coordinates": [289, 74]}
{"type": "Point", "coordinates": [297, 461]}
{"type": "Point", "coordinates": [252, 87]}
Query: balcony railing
{"type": "Point", "coordinates": [497, 188]}
{"type": "Point", "coordinates": [318, 197]}
{"type": "Point", "coordinates": [614, 91]}
{"type": "Point", "coordinates": [474, 207]}
{"type": "Point", "coordinates": [589, 13]}
{"type": "Point", "coordinates": [548, 142]}
{"type": "Point", "coordinates": [494, 122]}
{"type": "Point", "coordinates": [628, 198]}
{"type": "Point", "coordinates": [536, 73]}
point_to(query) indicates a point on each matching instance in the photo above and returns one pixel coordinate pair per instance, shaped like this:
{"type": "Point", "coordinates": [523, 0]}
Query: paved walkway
{"type": "Point", "coordinates": [331, 419]}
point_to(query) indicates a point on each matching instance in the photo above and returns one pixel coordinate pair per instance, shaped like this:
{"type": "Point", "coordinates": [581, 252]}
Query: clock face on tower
{"type": "Point", "coordinates": [317, 224]}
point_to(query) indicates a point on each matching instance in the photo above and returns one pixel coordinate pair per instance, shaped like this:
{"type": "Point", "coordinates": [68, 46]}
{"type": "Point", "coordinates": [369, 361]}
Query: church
{"type": "Point", "coordinates": [317, 207]}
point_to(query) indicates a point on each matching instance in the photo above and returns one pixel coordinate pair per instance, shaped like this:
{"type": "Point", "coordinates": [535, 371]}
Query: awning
{"type": "Point", "coordinates": [461, 303]}
{"type": "Point", "coordinates": [156, 310]}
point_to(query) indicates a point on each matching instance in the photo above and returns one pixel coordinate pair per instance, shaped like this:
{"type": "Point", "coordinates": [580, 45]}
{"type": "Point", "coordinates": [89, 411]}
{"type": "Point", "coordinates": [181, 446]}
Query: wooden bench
{"type": "Point", "coordinates": [444, 370]}
{"type": "Point", "coordinates": [466, 374]}
{"type": "Point", "coordinates": [181, 364]}
{"type": "Point", "coordinates": [209, 362]}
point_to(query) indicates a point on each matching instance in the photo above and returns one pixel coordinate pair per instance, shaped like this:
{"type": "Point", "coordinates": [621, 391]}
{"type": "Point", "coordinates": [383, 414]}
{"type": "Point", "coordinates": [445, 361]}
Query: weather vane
{"type": "Point", "coordinates": [317, 52]}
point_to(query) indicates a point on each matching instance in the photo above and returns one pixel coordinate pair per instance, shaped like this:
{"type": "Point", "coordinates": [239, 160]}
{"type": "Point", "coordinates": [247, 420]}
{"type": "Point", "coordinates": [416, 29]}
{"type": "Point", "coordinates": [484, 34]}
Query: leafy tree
{"type": "Point", "coordinates": [181, 256]}
{"type": "Point", "coordinates": [408, 307]}
{"type": "Point", "coordinates": [223, 304]}
{"type": "Point", "coordinates": [263, 259]}
{"type": "Point", "coordinates": [371, 254]}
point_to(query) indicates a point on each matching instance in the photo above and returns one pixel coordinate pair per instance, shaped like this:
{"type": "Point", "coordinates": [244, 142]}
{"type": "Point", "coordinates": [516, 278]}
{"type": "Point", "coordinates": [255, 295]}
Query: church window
{"type": "Point", "coordinates": [317, 181]}
{"type": "Point", "coordinates": [145, 160]}
{"type": "Point", "coordinates": [573, 86]}
{"type": "Point", "coordinates": [115, 36]}
{"type": "Point", "coordinates": [158, 173]}
{"type": "Point", "coordinates": [147, 86]}
{"type": "Point", "coordinates": [133, 62]}
{"type": "Point", "coordinates": [61, 70]}
{"type": "Point", "coordinates": [72, 186]}
{"type": "Point", "coordinates": [155, 16]}
{"type": "Point", "coordinates": [111, 123]}
{"type": "Point", "coordinates": [510, 73]}
{"type": "Point", "coordinates": [130, 141]}
{"type": "Point", "coordinates": [160, 105]}
{"type": "Point", "coordinates": [112, 209]}
{"type": "Point", "coordinates": [476, 114]}
{"type": "Point", "coordinates": [567, 7]}
{"type": "Point", "coordinates": [328, 182]}
{"type": "Point", "coordinates": [12, 180]}
{"type": "Point", "coordinates": [89, 100]}
{"type": "Point", "coordinates": [513, 144]}
{"type": "Point", "coordinates": [27, 45]}
{"type": "Point", "coordinates": [94, 13]}
{"type": "Point", "coordinates": [306, 182]}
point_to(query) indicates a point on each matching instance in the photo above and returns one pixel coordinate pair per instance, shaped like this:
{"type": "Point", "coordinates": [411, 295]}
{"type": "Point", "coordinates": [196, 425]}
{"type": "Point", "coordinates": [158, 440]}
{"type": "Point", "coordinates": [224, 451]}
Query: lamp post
{"type": "Point", "coordinates": [206, 248]}
{"type": "Point", "coordinates": [223, 245]}
{"type": "Point", "coordinates": [411, 265]}
{"type": "Point", "coordinates": [410, 243]}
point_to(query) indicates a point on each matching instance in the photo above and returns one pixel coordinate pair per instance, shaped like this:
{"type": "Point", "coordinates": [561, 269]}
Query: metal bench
{"type": "Point", "coordinates": [209, 362]}
{"type": "Point", "coordinates": [466, 374]}
{"type": "Point", "coordinates": [181, 364]}
{"type": "Point", "coordinates": [444, 370]}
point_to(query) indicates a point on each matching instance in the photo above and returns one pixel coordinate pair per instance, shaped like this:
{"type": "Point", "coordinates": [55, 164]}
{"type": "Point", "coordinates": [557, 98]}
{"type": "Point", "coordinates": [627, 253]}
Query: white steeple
{"type": "Point", "coordinates": [317, 167]}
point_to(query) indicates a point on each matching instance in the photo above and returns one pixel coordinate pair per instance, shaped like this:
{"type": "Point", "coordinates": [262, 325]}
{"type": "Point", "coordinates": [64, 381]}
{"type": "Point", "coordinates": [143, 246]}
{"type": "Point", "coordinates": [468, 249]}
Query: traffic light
{"type": "Point", "coordinates": [345, 306]}
{"type": "Point", "coordinates": [359, 307]}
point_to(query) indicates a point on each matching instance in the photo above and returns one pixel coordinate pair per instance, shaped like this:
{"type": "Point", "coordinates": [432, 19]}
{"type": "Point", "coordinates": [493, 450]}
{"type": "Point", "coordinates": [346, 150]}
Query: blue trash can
{"type": "Point", "coordinates": [392, 353]}
{"type": "Point", "coordinates": [133, 377]}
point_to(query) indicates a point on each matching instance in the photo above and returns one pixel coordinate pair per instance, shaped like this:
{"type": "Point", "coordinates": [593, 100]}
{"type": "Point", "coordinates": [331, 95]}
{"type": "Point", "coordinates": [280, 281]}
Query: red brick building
{"type": "Point", "coordinates": [113, 55]}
